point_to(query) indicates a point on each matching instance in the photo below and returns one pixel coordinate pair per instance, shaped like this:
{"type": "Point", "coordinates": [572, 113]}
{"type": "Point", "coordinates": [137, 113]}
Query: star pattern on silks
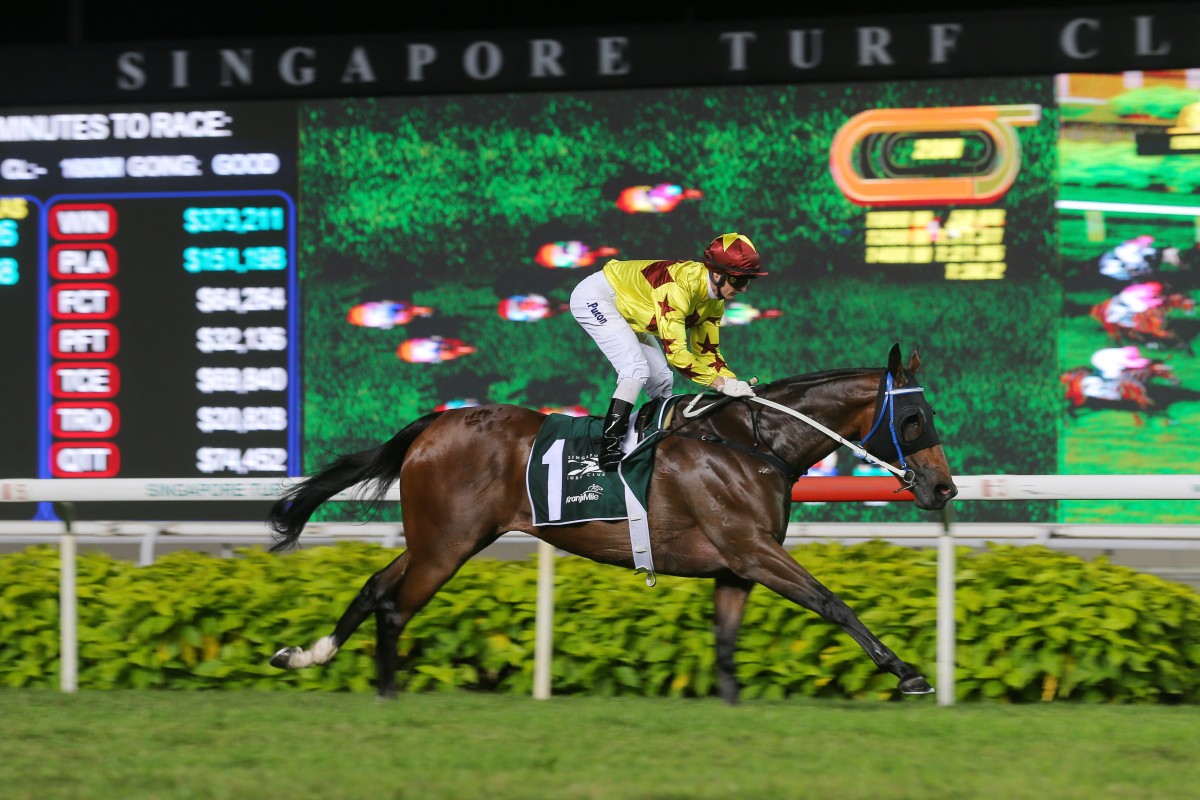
{"type": "Point", "coordinates": [688, 372]}
{"type": "Point", "coordinates": [667, 344]}
{"type": "Point", "coordinates": [658, 274]}
{"type": "Point", "coordinates": [708, 346]}
{"type": "Point", "coordinates": [664, 307]}
{"type": "Point", "coordinates": [692, 319]}
{"type": "Point", "coordinates": [652, 325]}
{"type": "Point", "coordinates": [718, 364]}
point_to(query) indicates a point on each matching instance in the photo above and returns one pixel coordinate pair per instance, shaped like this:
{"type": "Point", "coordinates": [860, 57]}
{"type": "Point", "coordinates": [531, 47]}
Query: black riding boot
{"type": "Point", "coordinates": [616, 422]}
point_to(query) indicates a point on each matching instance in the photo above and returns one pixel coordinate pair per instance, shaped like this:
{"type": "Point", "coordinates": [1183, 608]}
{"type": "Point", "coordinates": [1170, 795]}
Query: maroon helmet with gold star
{"type": "Point", "coordinates": [733, 254]}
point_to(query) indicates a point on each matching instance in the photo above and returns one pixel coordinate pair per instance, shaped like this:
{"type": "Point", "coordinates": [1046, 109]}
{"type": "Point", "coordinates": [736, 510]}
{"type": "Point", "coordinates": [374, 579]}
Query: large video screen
{"type": "Point", "coordinates": [250, 290]}
{"type": "Point", "coordinates": [902, 213]}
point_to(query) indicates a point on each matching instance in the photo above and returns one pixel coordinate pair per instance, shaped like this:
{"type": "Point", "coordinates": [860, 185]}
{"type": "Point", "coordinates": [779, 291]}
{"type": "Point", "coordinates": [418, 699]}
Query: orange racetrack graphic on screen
{"type": "Point", "coordinates": [995, 122]}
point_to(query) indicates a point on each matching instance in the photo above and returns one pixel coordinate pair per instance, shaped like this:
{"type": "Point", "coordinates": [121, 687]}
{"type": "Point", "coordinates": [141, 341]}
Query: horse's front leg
{"type": "Point", "coordinates": [729, 604]}
{"type": "Point", "coordinates": [774, 568]}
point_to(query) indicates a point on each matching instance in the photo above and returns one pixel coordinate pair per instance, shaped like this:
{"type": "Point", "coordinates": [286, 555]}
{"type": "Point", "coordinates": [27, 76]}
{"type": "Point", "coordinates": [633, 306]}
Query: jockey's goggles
{"type": "Point", "coordinates": [739, 281]}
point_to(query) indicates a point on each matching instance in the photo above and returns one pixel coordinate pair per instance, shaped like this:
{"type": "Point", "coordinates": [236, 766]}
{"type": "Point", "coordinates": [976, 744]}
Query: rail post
{"type": "Point", "coordinates": [67, 619]}
{"type": "Point", "coordinates": [544, 623]}
{"type": "Point", "coordinates": [946, 633]}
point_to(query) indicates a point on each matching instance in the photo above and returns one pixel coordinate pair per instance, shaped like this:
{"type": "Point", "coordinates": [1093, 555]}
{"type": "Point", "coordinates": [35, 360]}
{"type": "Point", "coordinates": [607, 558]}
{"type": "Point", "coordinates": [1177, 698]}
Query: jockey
{"type": "Point", "coordinates": [649, 316]}
{"type": "Point", "coordinates": [1111, 362]}
{"type": "Point", "coordinates": [1097, 388]}
{"type": "Point", "coordinates": [1134, 299]}
{"type": "Point", "coordinates": [1136, 258]}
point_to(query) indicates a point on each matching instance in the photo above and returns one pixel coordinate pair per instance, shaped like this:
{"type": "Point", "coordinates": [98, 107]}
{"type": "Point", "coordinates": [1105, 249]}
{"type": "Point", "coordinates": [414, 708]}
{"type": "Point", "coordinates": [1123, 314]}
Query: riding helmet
{"type": "Point", "coordinates": [733, 254]}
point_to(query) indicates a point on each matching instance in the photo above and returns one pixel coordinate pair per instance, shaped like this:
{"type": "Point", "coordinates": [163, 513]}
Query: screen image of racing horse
{"type": "Point", "coordinates": [516, 198]}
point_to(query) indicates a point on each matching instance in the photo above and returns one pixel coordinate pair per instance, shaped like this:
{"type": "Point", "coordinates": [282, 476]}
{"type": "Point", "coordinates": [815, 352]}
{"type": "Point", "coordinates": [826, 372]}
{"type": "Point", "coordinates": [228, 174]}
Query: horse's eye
{"type": "Point", "coordinates": [911, 426]}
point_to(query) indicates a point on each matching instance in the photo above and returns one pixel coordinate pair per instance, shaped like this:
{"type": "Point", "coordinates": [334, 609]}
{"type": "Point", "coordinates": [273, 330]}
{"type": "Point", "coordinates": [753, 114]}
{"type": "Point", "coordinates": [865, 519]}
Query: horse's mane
{"type": "Point", "coordinates": [824, 376]}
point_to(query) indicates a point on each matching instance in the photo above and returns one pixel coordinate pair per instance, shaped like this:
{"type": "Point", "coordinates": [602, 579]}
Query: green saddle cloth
{"type": "Point", "coordinates": [566, 485]}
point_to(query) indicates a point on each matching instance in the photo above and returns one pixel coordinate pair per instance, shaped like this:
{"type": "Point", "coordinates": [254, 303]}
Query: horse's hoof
{"type": "Point", "coordinates": [915, 685]}
{"type": "Point", "coordinates": [280, 660]}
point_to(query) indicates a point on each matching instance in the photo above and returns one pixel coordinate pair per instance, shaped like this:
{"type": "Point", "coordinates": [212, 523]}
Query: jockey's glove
{"type": "Point", "coordinates": [736, 389]}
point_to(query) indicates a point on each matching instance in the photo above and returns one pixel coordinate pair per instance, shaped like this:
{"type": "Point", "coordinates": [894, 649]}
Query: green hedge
{"type": "Point", "coordinates": [1033, 624]}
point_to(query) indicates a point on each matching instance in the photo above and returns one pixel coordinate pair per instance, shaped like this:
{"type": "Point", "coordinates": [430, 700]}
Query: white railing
{"type": "Point", "coordinates": [971, 488]}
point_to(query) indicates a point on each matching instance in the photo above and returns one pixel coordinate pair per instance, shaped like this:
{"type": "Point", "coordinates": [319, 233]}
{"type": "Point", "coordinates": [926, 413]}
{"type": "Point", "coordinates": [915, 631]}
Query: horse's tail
{"type": "Point", "coordinates": [379, 465]}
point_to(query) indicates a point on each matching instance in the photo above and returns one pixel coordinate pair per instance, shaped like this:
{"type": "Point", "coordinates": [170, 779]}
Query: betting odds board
{"type": "Point", "coordinates": [148, 291]}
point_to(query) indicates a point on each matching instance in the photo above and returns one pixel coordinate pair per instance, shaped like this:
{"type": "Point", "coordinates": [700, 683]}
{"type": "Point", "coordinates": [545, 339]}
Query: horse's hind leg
{"type": "Point", "coordinates": [377, 587]}
{"type": "Point", "coordinates": [778, 571]}
{"type": "Point", "coordinates": [729, 603]}
{"type": "Point", "coordinates": [394, 594]}
{"type": "Point", "coordinates": [393, 613]}
{"type": "Point", "coordinates": [388, 626]}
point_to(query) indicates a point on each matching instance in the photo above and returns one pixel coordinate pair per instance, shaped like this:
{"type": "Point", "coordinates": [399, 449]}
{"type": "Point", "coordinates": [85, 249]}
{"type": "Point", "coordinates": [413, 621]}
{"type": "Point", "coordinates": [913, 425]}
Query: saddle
{"type": "Point", "coordinates": [652, 418]}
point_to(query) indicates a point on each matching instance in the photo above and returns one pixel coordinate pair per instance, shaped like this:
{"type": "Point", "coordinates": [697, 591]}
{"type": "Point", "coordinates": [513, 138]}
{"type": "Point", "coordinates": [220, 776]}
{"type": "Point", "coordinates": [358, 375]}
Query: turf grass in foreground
{"type": "Point", "coordinates": [165, 745]}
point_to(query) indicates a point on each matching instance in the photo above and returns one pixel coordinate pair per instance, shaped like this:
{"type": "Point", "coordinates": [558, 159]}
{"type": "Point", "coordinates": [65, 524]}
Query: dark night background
{"type": "Point", "coordinates": [94, 21]}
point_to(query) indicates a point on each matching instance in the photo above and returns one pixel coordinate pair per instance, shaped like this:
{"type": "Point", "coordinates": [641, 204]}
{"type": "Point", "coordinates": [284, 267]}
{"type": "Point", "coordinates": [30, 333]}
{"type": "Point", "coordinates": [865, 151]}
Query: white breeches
{"type": "Point", "coordinates": [635, 356]}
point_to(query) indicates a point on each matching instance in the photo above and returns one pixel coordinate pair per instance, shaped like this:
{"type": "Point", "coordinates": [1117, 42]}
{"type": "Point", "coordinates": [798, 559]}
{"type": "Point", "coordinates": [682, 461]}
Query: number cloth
{"type": "Point", "coordinates": [564, 479]}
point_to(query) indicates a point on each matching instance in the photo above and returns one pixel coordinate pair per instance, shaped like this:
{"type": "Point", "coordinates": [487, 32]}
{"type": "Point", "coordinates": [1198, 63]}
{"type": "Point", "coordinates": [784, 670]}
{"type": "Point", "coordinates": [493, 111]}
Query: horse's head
{"type": "Point", "coordinates": [902, 433]}
{"type": "Point", "coordinates": [1161, 369]}
{"type": "Point", "coordinates": [1178, 300]}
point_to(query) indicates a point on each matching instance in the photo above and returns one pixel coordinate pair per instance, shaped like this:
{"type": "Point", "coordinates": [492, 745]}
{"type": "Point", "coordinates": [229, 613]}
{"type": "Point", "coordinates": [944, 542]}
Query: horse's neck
{"type": "Point", "coordinates": [842, 402]}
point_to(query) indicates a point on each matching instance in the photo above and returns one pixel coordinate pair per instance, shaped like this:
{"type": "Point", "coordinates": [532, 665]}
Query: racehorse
{"type": "Point", "coordinates": [717, 504]}
{"type": "Point", "coordinates": [1146, 327]}
{"type": "Point", "coordinates": [1130, 392]}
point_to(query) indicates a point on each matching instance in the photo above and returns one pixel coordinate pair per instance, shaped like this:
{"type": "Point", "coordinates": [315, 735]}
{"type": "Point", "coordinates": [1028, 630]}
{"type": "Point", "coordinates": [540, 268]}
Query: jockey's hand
{"type": "Point", "coordinates": [736, 389]}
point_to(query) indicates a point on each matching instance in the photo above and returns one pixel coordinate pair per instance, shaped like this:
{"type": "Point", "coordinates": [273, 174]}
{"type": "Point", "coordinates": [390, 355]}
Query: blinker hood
{"type": "Point", "coordinates": [895, 410]}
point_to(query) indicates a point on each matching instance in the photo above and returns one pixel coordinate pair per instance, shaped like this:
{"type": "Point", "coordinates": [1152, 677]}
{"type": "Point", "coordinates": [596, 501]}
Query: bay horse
{"type": "Point", "coordinates": [1130, 392]}
{"type": "Point", "coordinates": [1145, 327]}
{"type": "Point", "coordinates": [717, 504]}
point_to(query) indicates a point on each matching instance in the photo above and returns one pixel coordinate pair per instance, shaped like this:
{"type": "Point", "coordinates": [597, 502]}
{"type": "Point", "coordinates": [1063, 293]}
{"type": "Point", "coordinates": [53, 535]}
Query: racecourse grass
{"type": "Point", "coordinates": [166, 745]}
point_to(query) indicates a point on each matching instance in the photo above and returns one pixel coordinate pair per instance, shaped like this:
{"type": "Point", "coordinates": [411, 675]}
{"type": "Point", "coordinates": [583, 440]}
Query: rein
{"type": "Point", "coordinates": [907, 477]}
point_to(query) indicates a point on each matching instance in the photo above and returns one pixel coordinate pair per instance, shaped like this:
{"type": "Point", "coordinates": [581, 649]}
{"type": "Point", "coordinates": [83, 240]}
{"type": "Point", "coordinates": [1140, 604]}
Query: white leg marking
{"type": "Point", "coordinates": [323, 650]}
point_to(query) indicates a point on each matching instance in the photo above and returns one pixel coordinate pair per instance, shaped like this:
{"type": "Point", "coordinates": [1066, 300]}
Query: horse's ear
{"type": "Point", "coordinates": [899, 376]}
{"type": "Point", "coordinates": [914, 359]}
{"type": "Point", "coordinates": [894, 361]}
